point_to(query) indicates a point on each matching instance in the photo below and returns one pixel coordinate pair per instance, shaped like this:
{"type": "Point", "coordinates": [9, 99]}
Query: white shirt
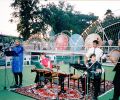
{"type": "Point", "coordinates": [97, 51]}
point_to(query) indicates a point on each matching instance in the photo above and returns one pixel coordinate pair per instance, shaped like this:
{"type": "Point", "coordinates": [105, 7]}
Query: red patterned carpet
{"type": "Point", "coordinates": [48, 93]}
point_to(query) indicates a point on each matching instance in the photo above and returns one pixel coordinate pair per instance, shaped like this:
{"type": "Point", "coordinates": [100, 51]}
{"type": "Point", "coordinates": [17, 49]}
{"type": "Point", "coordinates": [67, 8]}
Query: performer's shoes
{"type": "Point", "coordinates": [94, 98]}
{"type": "Point", "coordinates": [39, 86]}
{"type": "Point", "coordinates": [62, 91]}
{"type": "Point", "coordinates": [14, 86]}
{"type": "Point", "coordinates": [82, 97]}
{"type": "Point", "coordinates": [46, 81]}
{"type": "Point", "coordinates": [83, 93]}
{"type": "Point", "coordinates": [20, 85]}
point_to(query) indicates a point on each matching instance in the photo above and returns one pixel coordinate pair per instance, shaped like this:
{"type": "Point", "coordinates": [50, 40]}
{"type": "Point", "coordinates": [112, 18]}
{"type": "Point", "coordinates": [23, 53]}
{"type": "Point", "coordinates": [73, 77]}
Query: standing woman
{"type": "Point", "coordinates": [17, 64]}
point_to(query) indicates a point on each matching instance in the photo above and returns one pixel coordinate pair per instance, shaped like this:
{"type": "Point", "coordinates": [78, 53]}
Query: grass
{"type": "Point", "coordinates": [28, 78]}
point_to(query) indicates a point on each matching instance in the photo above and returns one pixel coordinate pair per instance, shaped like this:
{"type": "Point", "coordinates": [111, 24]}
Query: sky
{"type": "Point", "coordinates": [98, 7]}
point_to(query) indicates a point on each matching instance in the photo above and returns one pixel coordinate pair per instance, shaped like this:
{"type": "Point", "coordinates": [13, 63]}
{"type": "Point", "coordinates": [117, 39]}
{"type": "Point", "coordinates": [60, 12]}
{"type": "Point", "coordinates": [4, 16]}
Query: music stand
{"type": "Point", "coordinates": [8, 53]}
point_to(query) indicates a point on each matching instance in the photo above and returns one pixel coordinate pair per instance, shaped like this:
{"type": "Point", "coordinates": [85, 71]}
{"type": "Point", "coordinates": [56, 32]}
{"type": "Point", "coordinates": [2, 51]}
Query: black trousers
{"type": "Point", "coordinates": [40, 76]}
{"type": "Point", "coordinates": [37, 78]}
{"type": "Point", "coordinates": [61, 82]}
{"type": "Point", "coordinates": [96, 86]}
{"type": "Point", "coordinates": [116, 83]}
{"type": "Point", "coordinates": [18, 78]}
{"type": "Point", "coordinates": [116, 92]}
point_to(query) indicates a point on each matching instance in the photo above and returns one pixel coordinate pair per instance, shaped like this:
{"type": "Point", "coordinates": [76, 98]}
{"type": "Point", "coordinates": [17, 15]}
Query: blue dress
{"type": "Point", "coordinates": [17, 61]}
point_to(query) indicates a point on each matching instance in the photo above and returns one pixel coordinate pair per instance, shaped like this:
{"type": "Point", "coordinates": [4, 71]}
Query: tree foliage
{"type": "Point", "coordinates": [63, 17]}
{"type": "Point", "coordinates": [33, 19]}
{"type": "Point", "coordinates": [30, 18]}
{"type": "Point", "coordinates": [110, 18]}
{"type": "Point", "coordinates": [111, 24]}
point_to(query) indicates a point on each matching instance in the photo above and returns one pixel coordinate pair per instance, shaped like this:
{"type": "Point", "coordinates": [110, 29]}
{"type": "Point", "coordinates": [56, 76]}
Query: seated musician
{"type": "Point", "coordinates": [48, 65]}
{"type": "Point", "coordinates": [94, 71]}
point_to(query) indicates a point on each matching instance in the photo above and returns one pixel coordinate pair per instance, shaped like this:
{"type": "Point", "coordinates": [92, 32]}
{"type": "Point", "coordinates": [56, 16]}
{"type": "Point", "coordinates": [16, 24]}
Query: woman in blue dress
{"type": "Point", "coordinates": [17, 64]}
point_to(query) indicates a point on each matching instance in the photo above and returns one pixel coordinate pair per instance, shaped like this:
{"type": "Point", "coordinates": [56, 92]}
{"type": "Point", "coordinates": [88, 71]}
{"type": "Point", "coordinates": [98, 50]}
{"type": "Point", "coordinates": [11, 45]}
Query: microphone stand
{"type": "Point", "coordinates": [5, 72]}
{"type": "Point", "coordinates": [5, 55]}
{"type": "Point", "coordinates": [5, 87]}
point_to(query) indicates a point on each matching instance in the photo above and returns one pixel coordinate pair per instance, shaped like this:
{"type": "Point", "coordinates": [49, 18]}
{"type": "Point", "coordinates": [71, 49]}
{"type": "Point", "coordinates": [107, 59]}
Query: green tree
{"type": "Point", "coordinates": [111, 24]}
{"type": "Point", "coordinates": [33, 19]}
{"type": "Point", "coordinates": [110, 18]}
{"type": "Point", "coordinates": [63, 17]}
{"type": "Point", "coordinates": [30, 18]}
